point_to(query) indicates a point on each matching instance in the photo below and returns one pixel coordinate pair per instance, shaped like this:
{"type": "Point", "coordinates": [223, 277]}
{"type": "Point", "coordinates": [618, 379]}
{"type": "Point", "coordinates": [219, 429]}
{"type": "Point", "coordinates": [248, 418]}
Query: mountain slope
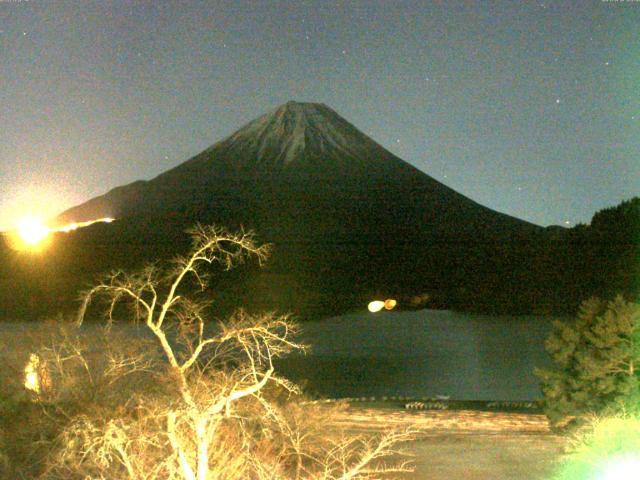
{"type": "Point", "coordinates": [348, 219]}
{"type": "Point", "coordinates": [299, 155]}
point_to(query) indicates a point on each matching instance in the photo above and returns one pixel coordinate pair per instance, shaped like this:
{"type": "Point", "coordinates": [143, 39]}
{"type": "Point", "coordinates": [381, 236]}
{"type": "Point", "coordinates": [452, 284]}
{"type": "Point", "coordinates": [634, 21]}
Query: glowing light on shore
{"type": "Point", "coordinates": [378, 305]}
{"type": "Point", "coordinates": [375, 306]}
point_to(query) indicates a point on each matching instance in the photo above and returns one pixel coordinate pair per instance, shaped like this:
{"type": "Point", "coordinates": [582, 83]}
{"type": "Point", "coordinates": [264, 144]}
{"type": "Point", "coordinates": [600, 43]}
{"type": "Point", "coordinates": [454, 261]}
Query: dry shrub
{"type": "Point", "coordinates": [124, 433]}
{"type": "Point", "coordinates": [78, 371]}
{"type": "Point", "coordinates": [294, 440]}
{"type": "Point", "coordinates": [200, 405]}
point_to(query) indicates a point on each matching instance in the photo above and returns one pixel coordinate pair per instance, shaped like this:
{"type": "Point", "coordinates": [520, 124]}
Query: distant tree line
{"type": "Point", "coordinates": [600, 259]}
{"type": "Point", "coordinates": [592, 390]}
{"type": "Point", "coordinates": [555, 270]}
{"type": "Point", "coordinates": [542, 270]}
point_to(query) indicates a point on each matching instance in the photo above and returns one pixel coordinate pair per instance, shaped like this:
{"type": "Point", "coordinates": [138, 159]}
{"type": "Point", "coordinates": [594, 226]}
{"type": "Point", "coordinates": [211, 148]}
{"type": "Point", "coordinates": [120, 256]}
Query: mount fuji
{"type": "Point", "coordinates": [302, 161]}
{"type": "Point", "coordinates": [348, 220]}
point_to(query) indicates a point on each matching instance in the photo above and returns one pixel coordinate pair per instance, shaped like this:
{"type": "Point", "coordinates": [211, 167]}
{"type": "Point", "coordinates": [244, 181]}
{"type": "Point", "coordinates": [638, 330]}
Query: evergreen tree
{"type": "Point", "coordinates": [597, 360]}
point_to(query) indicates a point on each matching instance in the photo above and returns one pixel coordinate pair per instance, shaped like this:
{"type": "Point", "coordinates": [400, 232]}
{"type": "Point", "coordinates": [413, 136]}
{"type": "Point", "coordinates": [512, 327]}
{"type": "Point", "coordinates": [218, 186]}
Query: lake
{"type": "Point", "coordinates": [409, 354]}
{"type": "Point", "coordinates": [422, 354]}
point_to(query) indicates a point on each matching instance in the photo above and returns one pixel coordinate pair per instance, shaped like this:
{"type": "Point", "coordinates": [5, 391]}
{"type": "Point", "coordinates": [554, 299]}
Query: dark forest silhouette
{"type": "Point", "coordinates": [547, 271]}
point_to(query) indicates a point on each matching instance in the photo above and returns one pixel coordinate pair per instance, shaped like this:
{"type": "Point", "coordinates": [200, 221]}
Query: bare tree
{"type": "Point", "coordinates": [216, 416]}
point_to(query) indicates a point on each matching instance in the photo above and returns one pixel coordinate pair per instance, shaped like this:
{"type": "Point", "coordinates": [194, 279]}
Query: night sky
{"type": "Point", "coordinates": [530, 108]}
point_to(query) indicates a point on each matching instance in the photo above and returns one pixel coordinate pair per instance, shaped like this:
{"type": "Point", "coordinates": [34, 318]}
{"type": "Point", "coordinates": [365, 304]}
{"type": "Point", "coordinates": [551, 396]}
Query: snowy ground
{"type": "Point", "coordinates": [468, 444]}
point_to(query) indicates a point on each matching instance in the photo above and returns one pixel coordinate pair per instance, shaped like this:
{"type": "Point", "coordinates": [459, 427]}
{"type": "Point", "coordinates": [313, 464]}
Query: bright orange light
{"type": "Point", "coordinates": [32, 231]}
{"type": "Point", "coordinates": [390, 304]}
{"type": "Point", "coordinates": [375, 306]}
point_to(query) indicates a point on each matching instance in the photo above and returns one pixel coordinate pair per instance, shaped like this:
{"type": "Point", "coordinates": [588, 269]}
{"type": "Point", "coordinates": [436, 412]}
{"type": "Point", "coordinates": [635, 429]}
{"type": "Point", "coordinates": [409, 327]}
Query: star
{"type": "Point", "coordinates": [344, 52]}
{"type": "Point", "coordinates": [557, 100]}
{"type": "Point", "coordinates": [397, 140]}
{"type": "Point", "coordinates": [606, 64]}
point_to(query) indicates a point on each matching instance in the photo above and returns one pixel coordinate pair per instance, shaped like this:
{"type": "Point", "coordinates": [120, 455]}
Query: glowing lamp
{"type": "Point", "coordinates": [390, 304]}
{"type": "Point", "coordinates": [375, 306]}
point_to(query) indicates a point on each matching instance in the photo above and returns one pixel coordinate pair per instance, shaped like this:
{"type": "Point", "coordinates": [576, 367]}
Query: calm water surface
{"type": "Point", "coordinates": [412, 354]}
{"type": "Point", "coordinates": [423, 353]}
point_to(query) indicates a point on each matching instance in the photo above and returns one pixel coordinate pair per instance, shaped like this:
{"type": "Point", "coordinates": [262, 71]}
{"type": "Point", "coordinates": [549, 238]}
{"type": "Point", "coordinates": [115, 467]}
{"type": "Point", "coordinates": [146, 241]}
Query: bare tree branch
{"type": "Point", "coordinates": [217, 387]}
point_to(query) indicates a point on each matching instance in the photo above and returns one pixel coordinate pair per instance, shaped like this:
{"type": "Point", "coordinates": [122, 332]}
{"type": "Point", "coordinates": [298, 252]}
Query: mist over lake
{"type": "Point", "coordinates": [422, 353]}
